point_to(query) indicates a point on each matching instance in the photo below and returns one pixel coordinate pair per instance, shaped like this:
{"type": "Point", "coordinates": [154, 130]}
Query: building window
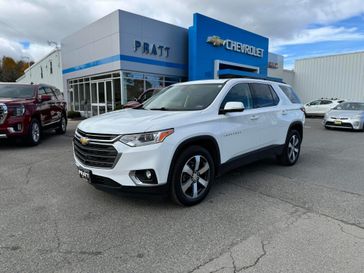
{"type": "Point", "coordinates": [41, 72]}
{"type": "Point", "coordinates": [51, 67]}
{"type": "Point", "coordinates": [99, 93]}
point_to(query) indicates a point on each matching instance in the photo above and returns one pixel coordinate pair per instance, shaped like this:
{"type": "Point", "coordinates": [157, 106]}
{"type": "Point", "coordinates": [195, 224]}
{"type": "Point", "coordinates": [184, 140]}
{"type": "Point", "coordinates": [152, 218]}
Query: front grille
{"type": "Point", "coordinates": [340, 118]}
{"type": "Point", "coordinates": [98, 137]}
{"type": "Point", "coordinates": [3, 112]}
{"type": "Point", "coordinates": [95, 154]}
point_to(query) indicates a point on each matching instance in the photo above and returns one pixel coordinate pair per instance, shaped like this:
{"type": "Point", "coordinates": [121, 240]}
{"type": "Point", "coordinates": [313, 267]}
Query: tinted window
{"type": "Point", "coordinates": [326, 102]}
{"type": "Point", "coordinates": [16, 91]}
{"type": "Point", "coordinates": [351, 106]}
{"type": "Point", "coordinates": [58, 94]}
{"type": "Point", "coordinates": [41, 91]}
{"type": "Point", "coordinates": [50, 92]}
{"type": "Point", "coordinates": [290, 93]}
{"type": "Point", "coordinates": [239, 92]}
{"type": "Point", "coordinates": [263, 95]}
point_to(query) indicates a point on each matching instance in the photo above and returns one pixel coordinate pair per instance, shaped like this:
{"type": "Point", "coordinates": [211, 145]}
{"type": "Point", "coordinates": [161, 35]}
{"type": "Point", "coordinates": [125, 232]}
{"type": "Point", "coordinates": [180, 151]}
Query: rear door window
{"type": "Point", "coordinates": [290, 93]}
{"type": "Point", "coordinates": [263, 95]}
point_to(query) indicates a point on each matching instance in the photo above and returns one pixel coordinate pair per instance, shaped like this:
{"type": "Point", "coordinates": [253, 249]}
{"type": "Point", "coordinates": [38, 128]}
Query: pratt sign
{"type": "Point", "coordinates": [151, 49]}
{"type": "Point", "coordinates": [235, 46]}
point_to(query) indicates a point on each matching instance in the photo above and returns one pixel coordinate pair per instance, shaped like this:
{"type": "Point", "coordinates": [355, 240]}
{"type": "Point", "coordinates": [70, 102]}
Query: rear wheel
{"type": "Point", "coordinates": [62, 127]}
{"type": "Point", "coordinates": [34, 133]}
{"type": "Point", "coordinates": [192, 176]}
{"type": "Point", "coordinates": [292, 149]}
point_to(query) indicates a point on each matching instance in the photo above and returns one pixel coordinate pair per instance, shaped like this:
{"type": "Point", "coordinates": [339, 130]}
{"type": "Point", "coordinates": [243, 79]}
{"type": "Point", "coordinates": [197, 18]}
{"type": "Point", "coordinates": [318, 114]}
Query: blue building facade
{"type": "Point", "coordinates": [220, 50]}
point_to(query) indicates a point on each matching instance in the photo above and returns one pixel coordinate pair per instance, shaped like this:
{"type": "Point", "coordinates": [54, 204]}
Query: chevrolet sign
{"type": "Point", "coordinates": [216, 41]}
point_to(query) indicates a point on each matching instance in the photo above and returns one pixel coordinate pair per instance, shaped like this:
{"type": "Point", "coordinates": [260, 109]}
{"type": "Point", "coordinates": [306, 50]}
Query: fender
{"type": "Point", "coordinates": [205, 141]}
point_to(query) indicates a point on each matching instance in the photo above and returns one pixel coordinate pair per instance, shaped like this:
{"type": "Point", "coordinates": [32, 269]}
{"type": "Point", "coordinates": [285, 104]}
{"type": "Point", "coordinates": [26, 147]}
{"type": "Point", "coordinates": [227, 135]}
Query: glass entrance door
{"type": "Point", "coordinates": [102, 97]}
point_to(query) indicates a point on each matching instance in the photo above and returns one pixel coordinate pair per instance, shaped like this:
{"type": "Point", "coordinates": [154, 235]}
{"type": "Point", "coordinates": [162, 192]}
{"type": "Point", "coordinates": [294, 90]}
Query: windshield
{"type": "Point", "coordinates": [16, 91]}
{"type": "Point", "coordinates": [353, 106]}
{"type": "Point", "coordinates": [187, 97]}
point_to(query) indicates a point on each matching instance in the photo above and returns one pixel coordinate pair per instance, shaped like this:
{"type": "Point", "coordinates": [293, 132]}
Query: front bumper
{"type": "Point", "coordinates": [156, 157]}
{"type": "Point", "coordinates": [343, 123]}
{"type": "Point", "coordinates": [14, 127]}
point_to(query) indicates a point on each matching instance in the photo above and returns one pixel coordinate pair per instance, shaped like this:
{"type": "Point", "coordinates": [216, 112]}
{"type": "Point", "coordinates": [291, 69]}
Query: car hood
{"type": "Point", "coordinates": [344, 113]}
{"type": "Point", "coordinates": [10, 101]}
{"type": "Point", "coordinates": [129, 121]}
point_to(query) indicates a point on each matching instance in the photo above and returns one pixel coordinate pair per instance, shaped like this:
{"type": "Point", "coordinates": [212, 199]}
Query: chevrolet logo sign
{"type": "Point", "coordinates": [84, 140]}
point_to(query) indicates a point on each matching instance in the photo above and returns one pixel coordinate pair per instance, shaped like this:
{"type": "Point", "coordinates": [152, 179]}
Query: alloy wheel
{"type": "Point", "coordinates": [63, 124]}
{"type": "Point", "coordinates": [293, 148]}
{"type": "Point", "coordinates": [195, 176]}
{"type": "Point", "coordinates": [35, 132]}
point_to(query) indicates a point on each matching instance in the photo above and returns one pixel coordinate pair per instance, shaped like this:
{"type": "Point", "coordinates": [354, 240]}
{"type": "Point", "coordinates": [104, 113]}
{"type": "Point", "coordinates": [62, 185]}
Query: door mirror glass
{"type": "Point", "coordinates": [233, 106]}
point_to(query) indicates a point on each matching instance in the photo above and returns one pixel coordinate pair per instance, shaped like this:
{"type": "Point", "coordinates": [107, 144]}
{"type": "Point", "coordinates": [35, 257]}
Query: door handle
{"type": "Point", "coordinates": [254, 117]}
{"type": "Point", "coordinates": [284, 112]}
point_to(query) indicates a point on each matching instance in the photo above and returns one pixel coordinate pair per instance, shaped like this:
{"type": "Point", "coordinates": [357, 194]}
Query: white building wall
{"type": "Point", "coordinates": [33, 73]}
{"type": "Point", "coordinates": [338, 76]}
{"type": "Point", "coordinates": [286, 75]}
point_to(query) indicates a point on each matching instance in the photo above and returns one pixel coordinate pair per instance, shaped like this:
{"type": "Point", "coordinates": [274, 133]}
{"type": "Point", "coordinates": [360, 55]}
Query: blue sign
{"type": "Point", "coordinates": [217, 49]}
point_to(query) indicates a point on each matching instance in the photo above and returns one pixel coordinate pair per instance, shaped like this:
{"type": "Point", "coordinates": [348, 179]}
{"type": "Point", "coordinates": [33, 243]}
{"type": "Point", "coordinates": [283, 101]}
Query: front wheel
{"type": "Point", "coordinates": [292, 149]}
{"type": "Point", "coordinates": [192, 176]}
{"type": "Point", "coordinates": [34, 133]}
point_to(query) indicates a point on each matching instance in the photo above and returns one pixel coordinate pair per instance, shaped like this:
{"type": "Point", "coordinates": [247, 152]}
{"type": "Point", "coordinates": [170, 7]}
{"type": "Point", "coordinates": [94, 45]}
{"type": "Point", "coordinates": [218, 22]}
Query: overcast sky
{"type": "Point", "coordinates": [296, 28]}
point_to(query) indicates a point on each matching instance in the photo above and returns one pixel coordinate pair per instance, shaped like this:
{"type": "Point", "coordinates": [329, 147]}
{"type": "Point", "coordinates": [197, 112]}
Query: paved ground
{"type": "Point", "coordinates": [259, 218]}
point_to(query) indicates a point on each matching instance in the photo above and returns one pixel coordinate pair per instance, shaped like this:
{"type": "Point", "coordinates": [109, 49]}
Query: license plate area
{"type": "Point", "coordinates": [85, 174]}
{"type": "Point", "coordinates": [337, 122]}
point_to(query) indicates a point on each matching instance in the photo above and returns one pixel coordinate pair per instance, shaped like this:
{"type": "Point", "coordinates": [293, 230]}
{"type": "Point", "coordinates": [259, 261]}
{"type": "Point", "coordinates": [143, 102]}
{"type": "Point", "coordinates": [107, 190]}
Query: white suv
{"type": "Point", "coordinates": [321, 107]}
{"type": "Point", "coordinates": [180, 139]}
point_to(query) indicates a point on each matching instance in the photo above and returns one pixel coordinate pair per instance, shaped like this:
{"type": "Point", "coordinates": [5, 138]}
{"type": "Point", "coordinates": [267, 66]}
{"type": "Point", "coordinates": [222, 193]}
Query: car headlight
{"type": "Point", "coordinates": [142, 139]}
{"type": "Point", "coordinates": [357, 117]}
{"type": "Point", "coordinates": [19, 111]}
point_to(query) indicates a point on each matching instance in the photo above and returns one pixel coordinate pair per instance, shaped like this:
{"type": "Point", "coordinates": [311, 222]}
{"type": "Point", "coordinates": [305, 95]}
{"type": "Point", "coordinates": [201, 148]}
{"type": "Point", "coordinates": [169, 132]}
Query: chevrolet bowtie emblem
{"type": "Point", "coordinates": [84, 140]}
{"type": "Point", "coordinates": [215, 40]}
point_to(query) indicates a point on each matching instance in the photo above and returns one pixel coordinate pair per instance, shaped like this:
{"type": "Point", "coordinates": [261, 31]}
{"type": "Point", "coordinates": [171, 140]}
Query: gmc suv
{"type": "Point", "coordinates": [27, 109]}
{"type": "Point", "coordinates": [184, 136]}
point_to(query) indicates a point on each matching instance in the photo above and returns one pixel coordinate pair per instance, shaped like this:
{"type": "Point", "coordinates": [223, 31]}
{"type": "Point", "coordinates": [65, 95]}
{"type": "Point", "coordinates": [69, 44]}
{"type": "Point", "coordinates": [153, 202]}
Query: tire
{"type": "Point", "coordinates": [34, 133]}
{"type": "Point", "coordinates": [62, 127]}
{"type": "Point", "coordinates": [292, 149]}
{"type": "Point", "coordinates": [190, 185]}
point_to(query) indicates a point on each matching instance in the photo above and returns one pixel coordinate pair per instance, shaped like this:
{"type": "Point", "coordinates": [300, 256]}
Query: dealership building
{"type": "Point", "coordinates": [116, 58]}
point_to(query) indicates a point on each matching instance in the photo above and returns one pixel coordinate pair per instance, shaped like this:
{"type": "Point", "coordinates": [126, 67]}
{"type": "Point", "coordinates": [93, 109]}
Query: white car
{"type": "Point", "coordinates": [321, 107]}
{"type": "Point", "coordinates": [183, 137]}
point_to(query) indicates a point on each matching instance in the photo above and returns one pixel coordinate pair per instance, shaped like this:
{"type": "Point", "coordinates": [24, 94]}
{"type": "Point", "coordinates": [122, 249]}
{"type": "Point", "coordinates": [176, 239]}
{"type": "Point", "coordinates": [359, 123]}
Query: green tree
{"type": "Point", "coordinates": [10, 69]}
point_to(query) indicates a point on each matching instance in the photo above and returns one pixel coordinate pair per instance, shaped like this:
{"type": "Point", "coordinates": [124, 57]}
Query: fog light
{"type": "Point", "coordinates": [144, 176]}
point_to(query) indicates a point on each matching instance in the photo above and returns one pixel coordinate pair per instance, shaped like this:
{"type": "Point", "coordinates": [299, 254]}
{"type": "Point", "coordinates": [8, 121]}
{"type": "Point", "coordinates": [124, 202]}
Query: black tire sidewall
{"type": "Point", "coordinates": [176, 190]}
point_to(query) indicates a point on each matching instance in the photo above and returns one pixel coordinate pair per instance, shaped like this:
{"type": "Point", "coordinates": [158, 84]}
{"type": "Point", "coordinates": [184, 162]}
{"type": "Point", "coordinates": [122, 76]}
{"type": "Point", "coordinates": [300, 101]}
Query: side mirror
{"type": "Point", "coordinates": [233, 106]}
{"type": "Point", "coordinates": [45, 98]}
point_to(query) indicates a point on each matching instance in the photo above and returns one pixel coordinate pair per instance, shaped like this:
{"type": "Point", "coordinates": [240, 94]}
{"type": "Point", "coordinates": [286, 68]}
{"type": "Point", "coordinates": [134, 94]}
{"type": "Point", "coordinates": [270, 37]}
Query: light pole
{"type": "Point", "coordinates": [53, 43]}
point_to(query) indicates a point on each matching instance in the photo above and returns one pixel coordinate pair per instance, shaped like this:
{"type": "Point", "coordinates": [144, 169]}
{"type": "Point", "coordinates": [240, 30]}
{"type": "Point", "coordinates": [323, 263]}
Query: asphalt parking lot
{"type": "Point", "coordinates": [260, 218]}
